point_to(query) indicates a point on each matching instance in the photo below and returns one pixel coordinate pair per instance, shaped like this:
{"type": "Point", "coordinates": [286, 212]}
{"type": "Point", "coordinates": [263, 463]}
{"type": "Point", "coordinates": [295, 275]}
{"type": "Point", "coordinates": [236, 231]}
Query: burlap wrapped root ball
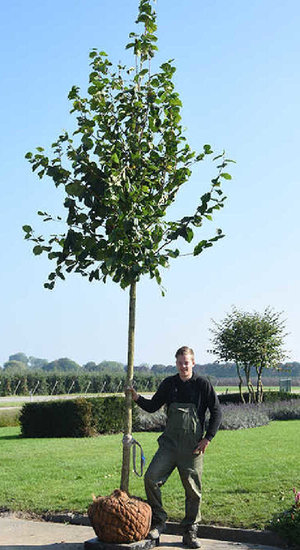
{"type": "Point", "coordinates": [119, 517]}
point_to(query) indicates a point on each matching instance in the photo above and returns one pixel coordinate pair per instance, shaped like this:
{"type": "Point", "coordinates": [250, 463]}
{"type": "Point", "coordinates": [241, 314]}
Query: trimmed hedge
{"type": "Point", "coordinates": [274, 396]}
{"type": "Point", "coordinates": [103, 415]}
{"type": "Point", "coordinates": [74, 417]}
{"type": "Point", "coordinates": [268, 397]}
{"type": "Point", "coordinates": [238, 417]}
{"type": "Point", "coordinates": [283, 410]}
{"type": "Point", "coordinates": [108, 414]}
{"type": "Point", "coordinates": [69, 418]}
{"type": "Point", "coordinates": [234, 416]}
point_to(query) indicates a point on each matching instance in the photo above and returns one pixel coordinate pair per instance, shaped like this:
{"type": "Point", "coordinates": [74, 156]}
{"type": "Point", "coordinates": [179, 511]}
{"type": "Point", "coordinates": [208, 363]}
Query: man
{"type": "Point", "coordinates": [183, 442]}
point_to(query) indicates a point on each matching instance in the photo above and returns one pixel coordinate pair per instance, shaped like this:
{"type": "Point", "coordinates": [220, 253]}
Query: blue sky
{"type": "Point", "coordinates": [238, 78]}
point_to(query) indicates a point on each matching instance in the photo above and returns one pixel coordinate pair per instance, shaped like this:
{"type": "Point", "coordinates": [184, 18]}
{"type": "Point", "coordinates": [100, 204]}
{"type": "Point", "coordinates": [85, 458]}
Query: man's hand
{"type": "Point", "coordinates": [134, 395]}
{"type": "Point", "coordinates": [201, 447]}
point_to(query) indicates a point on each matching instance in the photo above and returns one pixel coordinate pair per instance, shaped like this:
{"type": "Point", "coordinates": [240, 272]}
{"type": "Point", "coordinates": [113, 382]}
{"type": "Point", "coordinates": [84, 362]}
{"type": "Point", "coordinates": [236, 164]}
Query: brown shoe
{"type": "Point", "coordinates": [190, 538]}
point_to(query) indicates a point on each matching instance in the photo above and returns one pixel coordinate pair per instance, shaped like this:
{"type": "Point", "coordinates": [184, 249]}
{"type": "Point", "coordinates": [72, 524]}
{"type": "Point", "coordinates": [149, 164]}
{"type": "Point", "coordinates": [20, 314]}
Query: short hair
{"type": "Point", "coordinates": [184, 350]}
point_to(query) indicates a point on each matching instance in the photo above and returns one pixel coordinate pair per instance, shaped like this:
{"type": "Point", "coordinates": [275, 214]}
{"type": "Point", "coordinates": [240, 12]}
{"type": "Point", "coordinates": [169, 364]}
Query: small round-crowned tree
{"type": "Point", "coordinates": [252, 341]}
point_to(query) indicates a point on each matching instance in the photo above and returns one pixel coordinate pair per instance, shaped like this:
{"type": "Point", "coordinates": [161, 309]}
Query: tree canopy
{"type": "Point", "coordinates": [20, 356]}
{"type": "Point", "coordinates": [121, 170]}
{"type": "Point", "coordinates": [250, 340]}
{"type": "Point", "coordinates": [14, 366]}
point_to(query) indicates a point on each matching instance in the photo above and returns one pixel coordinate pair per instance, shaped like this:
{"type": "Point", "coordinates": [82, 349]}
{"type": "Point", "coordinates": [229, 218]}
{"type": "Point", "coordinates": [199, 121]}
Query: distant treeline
{"type": "Point", "coordinates": [19, 363]}
{"type": "Point", "coordinates": [39, 377]}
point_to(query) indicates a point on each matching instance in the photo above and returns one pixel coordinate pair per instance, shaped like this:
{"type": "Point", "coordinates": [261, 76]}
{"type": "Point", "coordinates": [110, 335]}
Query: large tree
{"type": "Point", "coordinates": [121, 169]}
{"type": "Point", "coordinates": [254, 341]}
{"type": "Point", "coordinates": [64, 364]}
{"type": "Point", "coordinates": [14, 367]}
{"type": "Point", "coordinates": [20, 356]}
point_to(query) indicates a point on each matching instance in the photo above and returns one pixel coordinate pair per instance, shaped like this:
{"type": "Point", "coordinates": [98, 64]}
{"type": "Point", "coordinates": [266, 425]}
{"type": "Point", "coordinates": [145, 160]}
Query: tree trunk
{"type": "Point", "coordinates": [240, 383]}
{"type": "Point", "coordinates": [259, 386]}
{"type": "Point", "coordinates": [129, 379]}
{"type": "Point", "coordinates": [251, 392]}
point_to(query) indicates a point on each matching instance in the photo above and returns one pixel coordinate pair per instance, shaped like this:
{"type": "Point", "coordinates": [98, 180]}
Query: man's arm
{"type": "Point", "coordinates": [157, 400]}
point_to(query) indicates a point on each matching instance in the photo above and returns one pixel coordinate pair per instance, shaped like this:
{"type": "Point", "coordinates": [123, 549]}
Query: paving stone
{"type": "Point", "coordinates": [21, 534]}
{"type": "Point", "coordinates": [96, 544]}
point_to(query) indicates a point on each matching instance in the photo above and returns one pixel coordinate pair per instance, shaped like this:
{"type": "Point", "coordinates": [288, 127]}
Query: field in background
{"type": "Point", "coordinates": [235, 389]}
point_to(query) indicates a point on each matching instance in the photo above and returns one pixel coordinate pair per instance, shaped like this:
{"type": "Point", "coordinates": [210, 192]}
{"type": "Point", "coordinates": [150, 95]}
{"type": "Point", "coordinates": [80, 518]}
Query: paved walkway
{"type": "Point", "coordinates": [20, 534]}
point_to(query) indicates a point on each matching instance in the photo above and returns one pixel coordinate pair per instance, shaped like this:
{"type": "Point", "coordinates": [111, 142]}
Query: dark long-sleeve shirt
{"type": "Point", "coordinates": [197, 390]}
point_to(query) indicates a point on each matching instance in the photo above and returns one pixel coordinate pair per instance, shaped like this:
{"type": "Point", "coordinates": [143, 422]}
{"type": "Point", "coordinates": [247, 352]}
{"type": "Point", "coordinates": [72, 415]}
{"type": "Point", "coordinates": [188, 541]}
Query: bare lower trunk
{"type": "Point", "coordinates": [259, 386]}
{"type": "Point", "coordinates": [129, 379]}
{"type": "Point", "coordinates": [249, 384]}
{"type": "Point", "coordinates": [240, 383]}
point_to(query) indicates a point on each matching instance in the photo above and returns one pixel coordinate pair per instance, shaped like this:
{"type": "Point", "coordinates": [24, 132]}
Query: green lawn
{"type": "Point", "coordinates": [5, 404]}
{"type": "Point", "coordinates": [248, 474]}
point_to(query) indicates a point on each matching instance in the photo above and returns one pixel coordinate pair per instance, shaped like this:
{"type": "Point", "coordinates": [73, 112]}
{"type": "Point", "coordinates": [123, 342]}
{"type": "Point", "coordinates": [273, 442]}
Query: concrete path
{"type": "Point", "coordinates": [21, 534]}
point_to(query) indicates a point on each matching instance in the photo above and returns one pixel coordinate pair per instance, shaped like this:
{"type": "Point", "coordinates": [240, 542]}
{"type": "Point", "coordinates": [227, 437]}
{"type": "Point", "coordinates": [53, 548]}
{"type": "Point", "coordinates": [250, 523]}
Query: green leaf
{"type": "Point", "coordinates": [187, 233]}
{"type": "Point", "coordinates": [199, 247]}
{"type": "Point", "coordinates": [173, 253]}
{"type": "Point", "coordinates": [218, 157]}
{"type": "Point", "coordinates": [207, 149]}
{"type": "Point", "coordinates": [87, 142]}
{"type": "Point", "coordinates": [75, 188]}
{"type": "Point", "coordinates": [50, 286]}
{"type": "Point", "coordinates": [27, 228]}
{"type": "Point", "coordinates": [115, 158]}
{"type": "Point", "coordinates": [154, 82]}
{"type": "Point", "coordinates": [226, 176]}
{"type": "Point", "coordinates": [37, 250]}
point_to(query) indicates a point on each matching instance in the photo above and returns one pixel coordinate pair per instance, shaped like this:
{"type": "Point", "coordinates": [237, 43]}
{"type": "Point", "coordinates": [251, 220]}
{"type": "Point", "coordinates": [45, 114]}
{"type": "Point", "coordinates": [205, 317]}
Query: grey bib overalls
{"type": "Point", "coordinates": [180, 437]}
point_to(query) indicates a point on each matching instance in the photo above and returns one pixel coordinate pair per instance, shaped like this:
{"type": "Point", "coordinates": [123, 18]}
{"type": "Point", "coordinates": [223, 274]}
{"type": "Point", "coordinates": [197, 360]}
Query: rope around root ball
{"type": "Point", "coordinates": [120, 518]}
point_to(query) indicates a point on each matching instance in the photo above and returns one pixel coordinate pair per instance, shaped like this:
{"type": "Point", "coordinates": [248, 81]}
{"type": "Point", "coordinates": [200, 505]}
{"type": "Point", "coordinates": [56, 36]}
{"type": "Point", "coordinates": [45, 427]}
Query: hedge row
{"type": "Point", "coordinates": [98, 415]}
{"type": "Point", "coordinates": [268, 397]}
{"type": "Point", "coordinates": [234, 416]}
{"type": "Point", "coordinates": [41, 383]}
{"type": "Point", "coordinates": [74, 417]}
{"type": "Point", "coordinates": [61, 384]}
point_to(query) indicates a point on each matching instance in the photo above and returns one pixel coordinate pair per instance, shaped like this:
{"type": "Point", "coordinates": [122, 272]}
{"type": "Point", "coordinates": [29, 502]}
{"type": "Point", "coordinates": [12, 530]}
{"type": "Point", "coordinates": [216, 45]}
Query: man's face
{"type": "Point", "coordinates": [184, 364]}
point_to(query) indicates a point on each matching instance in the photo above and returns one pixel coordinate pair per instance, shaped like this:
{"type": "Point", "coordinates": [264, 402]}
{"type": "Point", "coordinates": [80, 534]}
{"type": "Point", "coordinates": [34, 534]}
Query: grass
{"type": "Point", "coordinates": [248, 474]}
{"type": "Point", "coordinates": [10, 404]}
{"type": "Point", "coordinates": [6, 402]}
{"type": "Point", "coordinates": [9, 417]}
